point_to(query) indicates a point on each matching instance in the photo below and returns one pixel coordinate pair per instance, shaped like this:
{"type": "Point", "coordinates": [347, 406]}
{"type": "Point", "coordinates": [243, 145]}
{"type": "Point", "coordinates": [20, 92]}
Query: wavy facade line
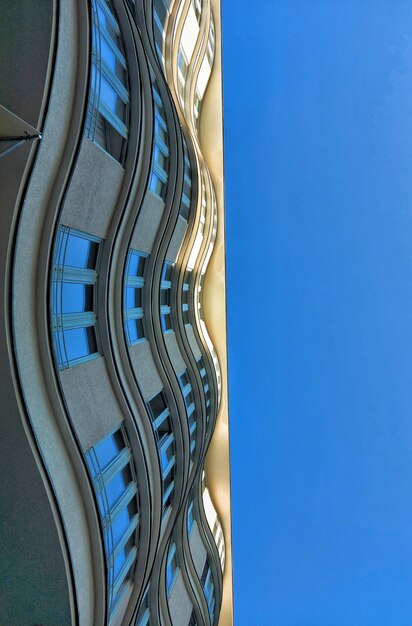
{"type": "Point", "coordinates": [113, 386]}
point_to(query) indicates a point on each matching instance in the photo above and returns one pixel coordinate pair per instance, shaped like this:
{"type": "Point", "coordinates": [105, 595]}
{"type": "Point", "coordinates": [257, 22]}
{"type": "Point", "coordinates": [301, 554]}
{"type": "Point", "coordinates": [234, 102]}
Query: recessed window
{"type": "Point", "coordinates": [133, 297]}
{"type": "Point", "coordinates": [190, 518]}
{"type": "Point", "coordinates": [165, 287]}
{"type": "Point", "coordinates": [74, 297]}
{"type": "Point", "coordinates": [143, 618]}
{"type": "Point", "coordinates": [186, 387]}
{"type": "Point", "coordinates": [106, 122]}
{"type": "Point", "coordinates": [208, 588]}
{"type": "Point", "coordinates": [162, 425]}
{"type": "Point", "coordinates": [172, 568]}
{"type": "Point", "coordinates": [113, 474]}
{"type": "Point", "coordinates": [160, 154]}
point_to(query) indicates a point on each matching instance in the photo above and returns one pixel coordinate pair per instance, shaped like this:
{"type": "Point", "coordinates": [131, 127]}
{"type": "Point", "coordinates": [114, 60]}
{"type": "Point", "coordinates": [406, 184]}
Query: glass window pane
{"type": "Point", "coordinates": [108, 95]}
{"type": "Point", "coordinates": [115, 487]}
{"type": "Point", "coordinates": [108, 55]}
{"type": "Point", "coordinates": [77, 298]}
{"type": "Point", "coordinates": [109, 448]}
{"type": "Point", "coordinates": [120, 525]}
{"type": "Point", "coordinates": [132, 330]}
{"type": "Point", "coordinates": [76, 342]}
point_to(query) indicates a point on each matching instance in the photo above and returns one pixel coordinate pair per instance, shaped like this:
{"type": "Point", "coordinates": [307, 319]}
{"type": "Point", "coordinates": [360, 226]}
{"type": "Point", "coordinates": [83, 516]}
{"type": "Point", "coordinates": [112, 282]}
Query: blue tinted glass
{"type": "Point", "coordinates": [74, 299]}
{"type": "Point", "coordinates": [132, 330]}
{"type": "Point", "coordinates": [77, 251]}
{"type": "Point", "coordinates": [133, 264]}
{"type": "Point", "coordinates": [108, 55]}
{"type": "Point", "coordinates": [115, 488]}
{"type": "Point", "coordinates": [120, 525]}
{"type": "Point", "coordinates": [76, 343]}
{"type": "Point", "coordinates": [59, 346]}
{"type": "Point", "coordinates": [120, 559]}
{"type": "Point", "coordinates": [107, 450]}
{"type": "Point", "coordinates": [130, 298]}
{"type": "Point", "coordinates": [108, 94]}
{"type": "Point", "coordinates": [153, 182]}
{"type": "Point", "coordinates": [102, 17]}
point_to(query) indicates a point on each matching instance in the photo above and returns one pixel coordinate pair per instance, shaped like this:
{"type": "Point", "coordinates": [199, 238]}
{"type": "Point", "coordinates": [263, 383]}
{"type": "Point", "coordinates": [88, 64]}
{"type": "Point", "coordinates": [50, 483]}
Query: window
{"type": "Point", "coordinates": [206, 389]}
{"type": "Point", "coordinates": [160, 13]}
{"type": "Point", "coordinates": [198, 8]}
{"type": "Point", "coordinates": [182, 65]}
{"type": "Point", "coordinates": [133, 297]}
{"type": "Point", "coordinates": [210, 50]}
{"type": "Point", "coordinates": [172, 568]}
{"type": "Point", "coordinates": [187, 392]}
{"type": "Point", "coordinates": [185, 299]}
{"type": "Point", "coordinates": [165, 286]}
{"type": "Point", "coordinates": [143, 618]}
{"type": "Point", "coordinates": [209, 589]}
{"type": "Point", "coordinates": [187, 185]}
{"type": "Point", "coordinates": [74, 297]}
{"type": "Point", "coordinates": [109, 97]}
{"type": "Point", "coordinates": [220, 541]}
{"type": "Point", "coordinates": [162, 426]}
{"type": "Point", "coordinates": [190, 518]}
{"type": "Point", "coordinates": [160, 155]}
{"type": "Point", "coordinates": [112, 470]}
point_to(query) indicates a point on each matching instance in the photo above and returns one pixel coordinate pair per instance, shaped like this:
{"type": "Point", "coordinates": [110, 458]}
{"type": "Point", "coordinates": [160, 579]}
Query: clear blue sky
{"type": "Point", "coordinates": [318, 131]}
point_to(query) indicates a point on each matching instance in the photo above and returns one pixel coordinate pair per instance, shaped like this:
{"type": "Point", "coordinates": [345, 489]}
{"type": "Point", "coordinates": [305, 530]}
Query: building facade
{"type": "Point", "coordinates": [115, 454]}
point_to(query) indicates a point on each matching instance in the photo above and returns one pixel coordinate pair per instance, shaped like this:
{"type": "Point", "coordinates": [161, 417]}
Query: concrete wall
{"type": "Point", "coordinates": [92, 404]}
{"type": "Point", "coordinates": [148, 222]}
{"type": "Point", "coordinates": [193, 343]}
{"type": "Point", "coordinates": [174, 353]}
{"type": "Point", "coordinates": [93, 191]}
{"type": "Point", "coordinates": [144, 366]}
{"type": "Point", "coordinates": [180, 606]}
{"type": "Point", "coordinates": [176, 240]}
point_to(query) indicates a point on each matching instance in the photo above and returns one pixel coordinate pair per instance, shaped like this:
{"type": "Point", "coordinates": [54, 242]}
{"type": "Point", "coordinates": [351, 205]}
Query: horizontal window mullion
{"type": "Point", "coordinates": [67, 321]}
{"type": "Point", "coordinates": [171, 553]}
{"type": "Point", "coordinates": [161, 144]}
{"type": "Point", "coordinates": [118, 463]}
{"type": "Point", "coordinates": [164, 309]}
{"type": "Point", "coordinates": [134, 314]}
{"type": "Point", "coordinates": [134, 281]}
{"type": "Point", "coordinates": [159, 171]}
{"type": "Point", "coordinates": [161, 418]}
{"type": "Point", "coordinates": [168, 467]}
{"type": "Point", "coordinates": [123, 572]}
{"type": "Point", "coordinates": [119, 56]}
{"type": "Point", "coordinates": [113, 120]}
{"type": "Point", "coordinates": [69, 274]}
{"type": "Point", "coordinates": [186, 389]}
{"type": "Point", "coordinates": [126, 536]}
{"type": "Point", "coordinates": [121, 504]}
{"type": "Point", "coordinates": [144, 620]}
{"type": "Point", "coordinates": [161, 119]}
{"type": "Point", "coordinates": [109, 15]}
{"type": "Point", "coordinates": [159, 24]}
{"type": "Point", "coordinates": [156, 97]}
{"type": "Point", "coordinates": [166, 443]}
{"type": "Point", "coordinates": [185, 200]}
{"type": "Point", "coordinates": [115, 83]}
{"type": "Point", "coordinates": [168, 492]}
